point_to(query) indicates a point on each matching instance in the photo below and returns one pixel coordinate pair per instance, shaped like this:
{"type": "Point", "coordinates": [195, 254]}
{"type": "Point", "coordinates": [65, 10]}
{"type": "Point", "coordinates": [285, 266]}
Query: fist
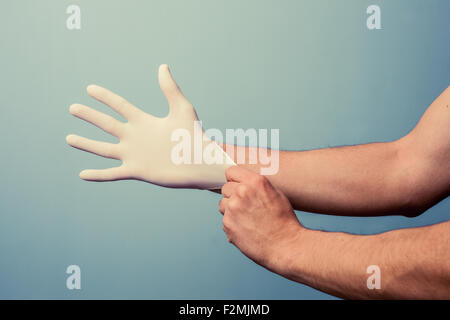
{"type": "Point", "coordinates": [257, 218]}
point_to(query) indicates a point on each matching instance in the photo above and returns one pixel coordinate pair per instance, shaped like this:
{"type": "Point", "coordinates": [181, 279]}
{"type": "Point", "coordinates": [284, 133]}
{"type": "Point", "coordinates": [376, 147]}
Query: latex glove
{"type": "Point", "coordinates": [146, 142]}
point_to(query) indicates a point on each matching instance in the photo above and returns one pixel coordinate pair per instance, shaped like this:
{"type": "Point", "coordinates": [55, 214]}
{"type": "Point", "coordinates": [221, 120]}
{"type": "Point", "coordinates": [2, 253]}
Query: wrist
{"type": "Point", "coordinates": [287, 253]}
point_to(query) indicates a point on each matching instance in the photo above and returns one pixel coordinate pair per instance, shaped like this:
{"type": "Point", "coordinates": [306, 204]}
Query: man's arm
{"type": "Point", "coordinates": [258, 219]}
{"type": "Point", "coordinates": [404, 177]}
{"type": "Point", "coordinates": [413, 263]}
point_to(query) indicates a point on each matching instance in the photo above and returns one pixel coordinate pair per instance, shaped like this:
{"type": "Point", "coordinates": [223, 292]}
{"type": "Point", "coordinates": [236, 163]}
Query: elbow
{"type": "Point", "coordinates": [413, 177]}
{"type": "Point", "coordinates": [422, 203]}
{"type": "Point", "coordinates": [416, 199]}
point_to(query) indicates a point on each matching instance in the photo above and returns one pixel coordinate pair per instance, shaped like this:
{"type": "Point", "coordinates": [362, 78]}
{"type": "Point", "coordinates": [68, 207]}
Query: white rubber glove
{"type": "Point", "coordinates": [146, 145]}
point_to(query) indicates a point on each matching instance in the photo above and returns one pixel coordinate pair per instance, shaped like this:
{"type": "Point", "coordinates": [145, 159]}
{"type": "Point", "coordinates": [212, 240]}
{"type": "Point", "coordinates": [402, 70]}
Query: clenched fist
{"type": "Point", "coordinates": [258, 218]}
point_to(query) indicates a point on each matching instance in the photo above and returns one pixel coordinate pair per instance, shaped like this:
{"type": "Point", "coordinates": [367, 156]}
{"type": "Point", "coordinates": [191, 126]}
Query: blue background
{"type": "Point", "coordinates": [309, 68]}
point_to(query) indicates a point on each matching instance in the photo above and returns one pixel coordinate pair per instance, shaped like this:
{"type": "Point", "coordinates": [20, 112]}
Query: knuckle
{"type": "Point", "coordinates": [260, 180]}
{"type": "Point", "coordinates": [221, 206]}
{"type": "Point", "coordinates": [223, 189]}
{"type": "Point", "coordinates": [229, 171]}
{"type": "Point", "coordinates": [242, 190]}
{"type": "Point", "coordinates": [233, 205]}
{"type": "Point", "coordinates": [226, 223]}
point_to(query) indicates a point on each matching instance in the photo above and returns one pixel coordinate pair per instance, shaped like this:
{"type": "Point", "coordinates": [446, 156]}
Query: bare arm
{"type": "Point", "coordinates": [259, 220]}
{"type": "Point", "coordinates": [413, 263]}
{"type": "Point", "coordinates": [406, 176]}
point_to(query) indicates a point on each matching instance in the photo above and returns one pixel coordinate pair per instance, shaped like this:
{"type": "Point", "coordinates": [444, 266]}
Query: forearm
{"type": "Point", "coordinates": [359, 180]}
{"type": "Point", "coordinates": [404, 177]}
{"type": "Point", "coordinates": [414, 263]}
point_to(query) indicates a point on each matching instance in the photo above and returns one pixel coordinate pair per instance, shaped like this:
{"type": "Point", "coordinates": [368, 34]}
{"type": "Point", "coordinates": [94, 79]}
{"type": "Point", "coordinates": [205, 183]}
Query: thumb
{"type": "Point", "coordinates": [170, 88]}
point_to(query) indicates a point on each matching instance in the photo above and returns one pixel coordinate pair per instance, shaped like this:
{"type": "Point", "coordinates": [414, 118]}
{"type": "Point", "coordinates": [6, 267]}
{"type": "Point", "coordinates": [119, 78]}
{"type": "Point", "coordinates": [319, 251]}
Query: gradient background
{"type": "Point", "coordinates": [310, 68]}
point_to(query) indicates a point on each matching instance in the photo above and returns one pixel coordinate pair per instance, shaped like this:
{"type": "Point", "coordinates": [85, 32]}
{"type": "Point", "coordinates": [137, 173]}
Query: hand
{"type": "Point", "coordinates": [258, 218]}
{"type": "Point", "coordinates": [147, 143]}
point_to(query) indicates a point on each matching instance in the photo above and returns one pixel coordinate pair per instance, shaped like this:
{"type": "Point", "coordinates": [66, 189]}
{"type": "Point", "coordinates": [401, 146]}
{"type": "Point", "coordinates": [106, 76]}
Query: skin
{"type": "Point", "coordinates": [403, 177]}
{"type": "Point", "coordinates": [406, 177]}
